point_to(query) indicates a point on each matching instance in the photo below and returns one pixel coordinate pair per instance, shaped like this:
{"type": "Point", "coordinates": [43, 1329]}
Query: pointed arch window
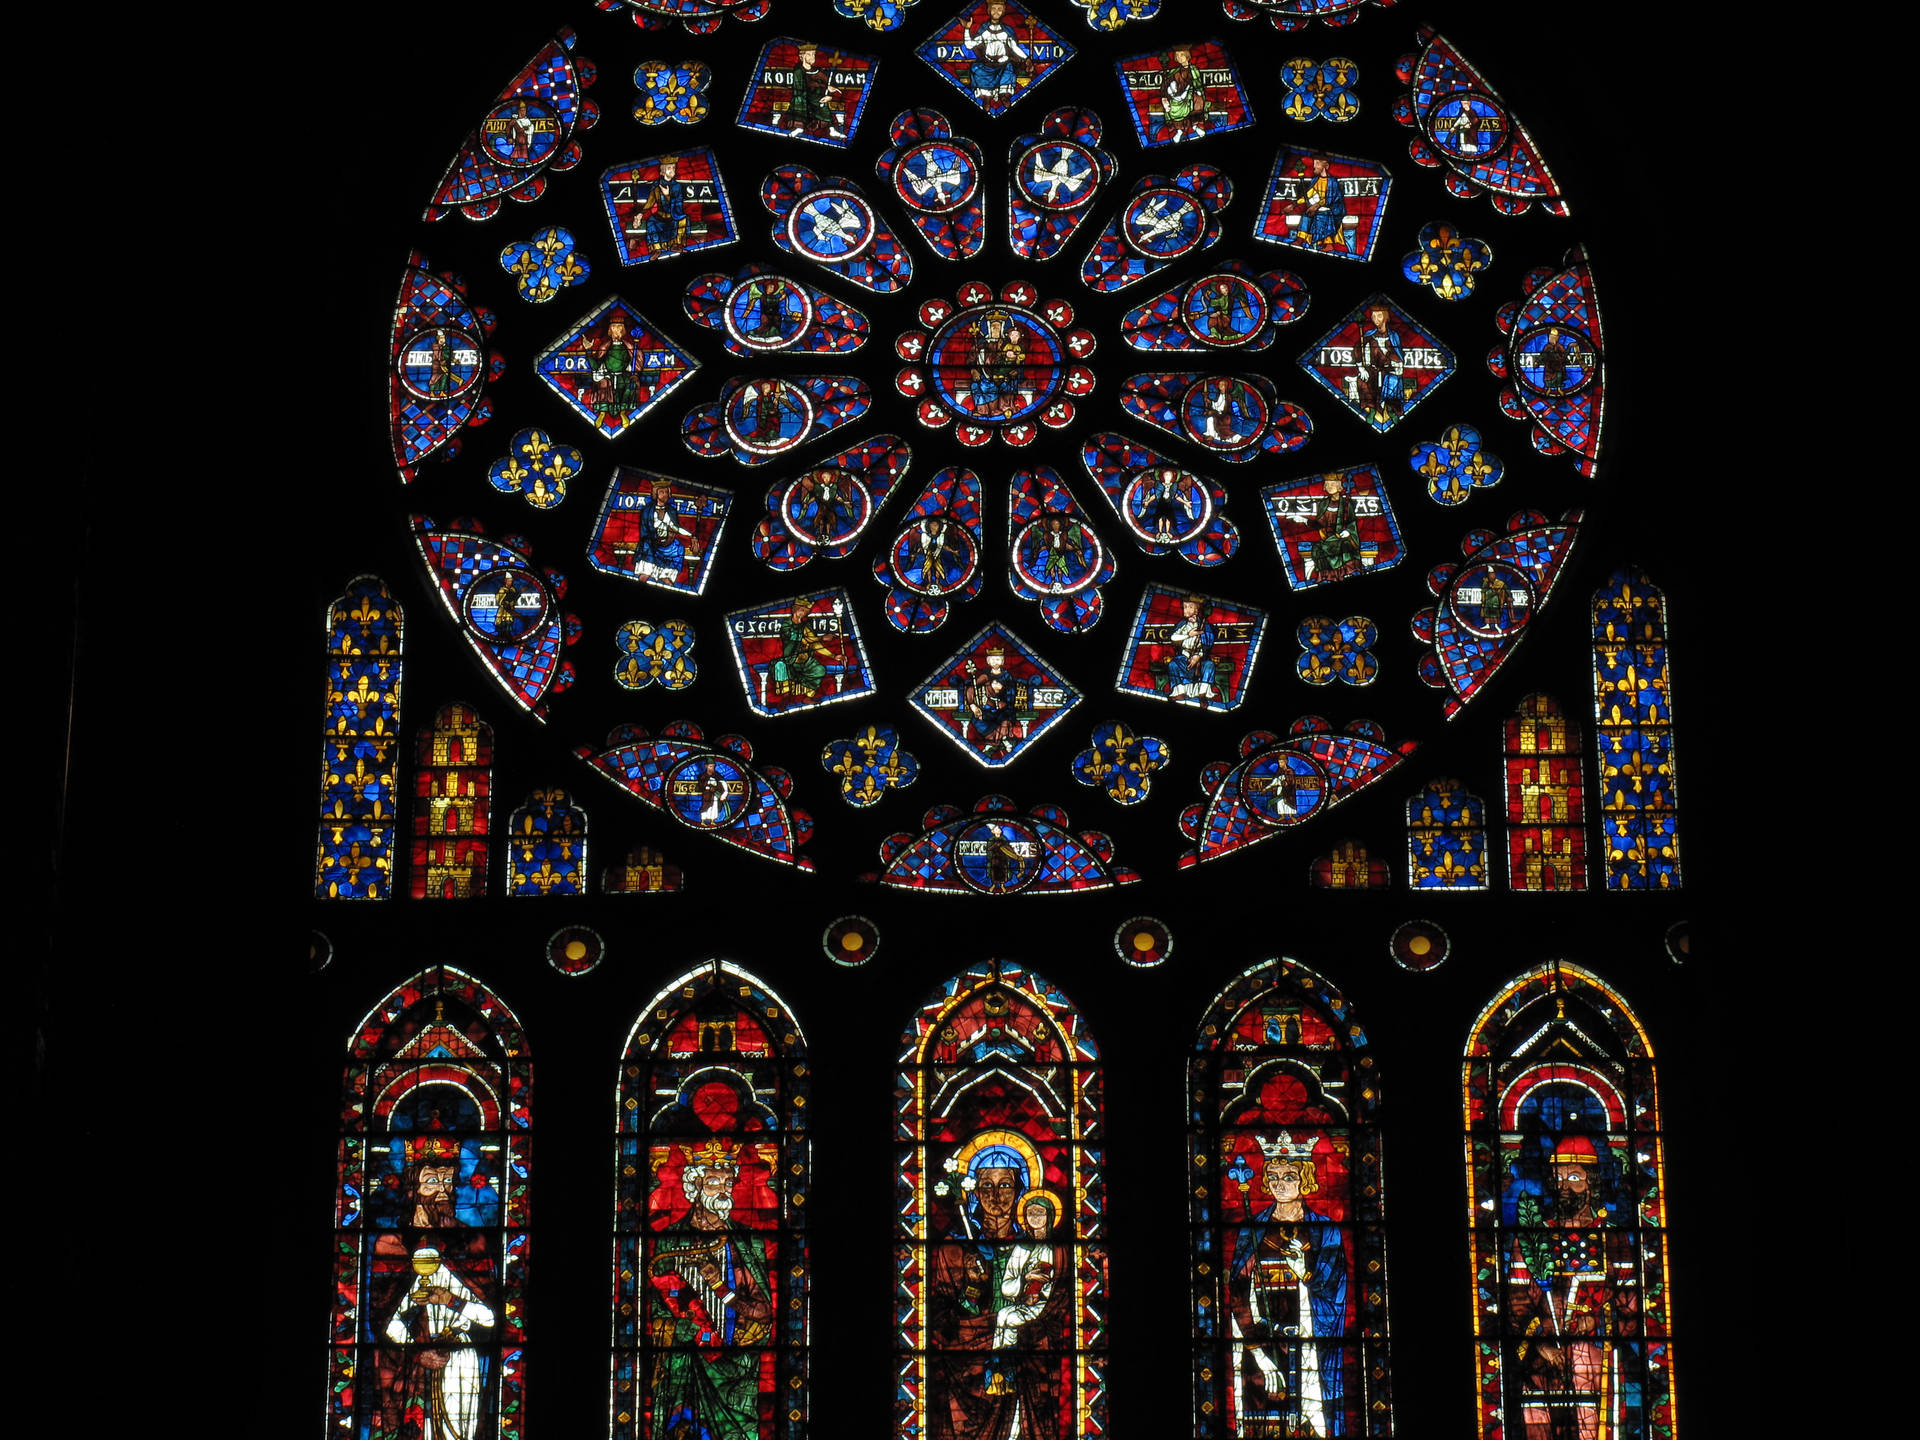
{"type": "Point", "coordinates": [1633, 711]}
{"type": "Point", "coordinates": [709, 1253]}
{"type": "Point", "coordinates": [1566, 1191]}
{"type": "Point", "coordinates": [430, 1250]}
{"type": "Point", "coordinates": [361, 755]}
{"type": "Point", "coordinates": [453, 805]}
{"type": "Point", "coordinates": [1001, 1294]}
{"type": "Point", "coordinates": [1290, 1267]}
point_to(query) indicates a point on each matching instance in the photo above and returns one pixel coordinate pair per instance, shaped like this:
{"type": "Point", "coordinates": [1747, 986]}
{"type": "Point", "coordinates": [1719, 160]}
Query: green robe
{"type": "Point", "coordinates": [711, 1374]}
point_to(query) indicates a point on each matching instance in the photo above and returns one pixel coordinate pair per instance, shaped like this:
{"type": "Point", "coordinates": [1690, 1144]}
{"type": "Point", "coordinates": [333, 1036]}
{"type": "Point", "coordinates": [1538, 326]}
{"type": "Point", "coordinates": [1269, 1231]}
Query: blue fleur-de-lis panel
{"type": "Point", "coordinates": [354, 853]}
{"type": "Point", "coordinates": [659, 530]}
{"type": "Point", "coordinates": [1231, 307]}
{"type": "Point", "coordinates": [1290, 15]}
{"type": "Point", "coordinates": [527, 131]}
{"type": "Point", "coordinates": [933, 558]}
{"type": "Point", "coordinates": [1379, 362]}
{"type": "Point", "coordinates": [507, 608]}
{"type": "Point", "coordinates": [1165, 507]}
{"type": "Point", "coordinates": [995, 367]}
{"type": "Point", "coordinates": [1320, 90]}
{"type": "Point", "coordinates": [760, 418]}
{"type": "Point", "coordinates": [799, 653]}
{"type": "Point", "coordinates": [547, 846]}
{"type": "Point", "coordinates": [1235, 418]}
{"type": "Point", "coordinates": [832, 223]}
{"type": "Point", "coordinates": [1276, 782]}
{"type": "Point", "coordinates": [1162, 220]}
{"type": "Point", "coordinates": [869, 763]}
{"type": "Point", "coordinates": [667, 206]}
{"type": "Point", "coordinates": [1465, 127]}
{"type": "Point", "coordinates": [1054, 556]}
{"type": "Point", "coordinates": [1054, 176]}
{"type": "Point", "coordinates": [613, 366]}
{"type": "Point", "coordinates": [1115, 14]}
{"type": "Point", "coordinates": [535, 468]}
{"type": "Point", "coordinates": [1633, 708]}
{"type": "Point", "coordinates": [545, 265]}
{"type": "Point", "coordinates": [881, 15]}
{"type": "Point", "coordinates": [653, 654]}
{"type": "Point", "coordinates": [1333, 526]}
{"type": "Point", "coordinates": [1192, 649]}
{"type": "Point", "coordinates": [1455, 465]}
{"type": "Point", "coordinates": [993, 849]}
{"type": "Point", "coordinates": [936, 175]}
{"type": "Point", "coordinates": [994, 52]}
{"type": "Point", "coordinates": [1184, 92]}
{"type": "Point", "coordinates": [437, 368]}
{"type": "Point", "coordinates": [712, 787]}
{"type": "Point", "coordinates": [808, 91]}
{"type": "Point", "coordinates": [825, 511]}
{"type": "Point", "coordinates": [1487, 601]}
{"type": "Point", "coordinates": [1340, 650]}
{"type": "Point", "coordinates": [1446, 838]}
{"type": "Point", "coordinates": [671, 92]}
{"type": "Point", "coordinates": [1121, 762]}
{"type": "Point", "coordinates": [758, 311]}
{"type": "Point", "coordinates": [1324, 204]}
{"type": "Point", "coordinates": [1445, 261]}
{"type": "Point", "coordinates": [994, 697]}
{"type": "Point", "coordinates": [696, 17]}
{"type": "Point", "coordinates": [1553, 361]}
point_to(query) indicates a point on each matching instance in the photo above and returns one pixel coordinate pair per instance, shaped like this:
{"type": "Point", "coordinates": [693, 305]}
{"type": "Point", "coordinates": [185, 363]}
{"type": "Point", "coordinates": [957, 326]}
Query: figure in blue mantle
{"type": "Point", "coordinates": [1287, 1301]}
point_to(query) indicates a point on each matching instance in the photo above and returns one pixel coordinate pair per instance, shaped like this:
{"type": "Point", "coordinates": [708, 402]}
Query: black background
{"type": "Point", "coordinates": [185, 1061]}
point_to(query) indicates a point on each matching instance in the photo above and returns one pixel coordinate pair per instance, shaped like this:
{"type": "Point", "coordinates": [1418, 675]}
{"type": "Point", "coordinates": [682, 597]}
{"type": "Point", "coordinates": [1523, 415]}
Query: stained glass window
{"type": "Point", "coordinates": [1633, 714]}
{"type": "Point", "coordinates": [452, 806]}
{"type": "Point", "coordinates": [709, 1241]}
{"type": "Point", "coordinates": [547, 845]}
{"type": "Point", "coordinates": [1566, 1197]}
{"type": "Point", "coordinates": [1546, 800]}
{"type": "Point", "coordinates": [1284, 1198]}
{"type": "Point", "coordinates": [1446, 838]}
{"type": "Point", "coordinates": [431, 1238]}
{"type": "Point", "coordinates": [1000, 1300]}
{"type": "Point", "coordinates": [360, 756]}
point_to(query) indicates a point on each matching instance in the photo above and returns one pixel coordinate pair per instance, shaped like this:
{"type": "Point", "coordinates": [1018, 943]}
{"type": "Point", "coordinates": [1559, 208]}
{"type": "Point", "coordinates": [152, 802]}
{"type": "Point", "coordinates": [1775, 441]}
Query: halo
{"type": "Point", "coordinates": [1045, 1197]}
{"type": "Point", "coordinates": [1012, 1139]}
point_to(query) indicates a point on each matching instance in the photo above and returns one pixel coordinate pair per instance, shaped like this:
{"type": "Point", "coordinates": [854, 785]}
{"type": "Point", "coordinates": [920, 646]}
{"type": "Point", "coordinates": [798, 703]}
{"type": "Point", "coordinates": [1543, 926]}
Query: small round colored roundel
{"type": "Point", "coordinates": [1419, 945]}
{"type": "Point", "coordinates": [1677, 942]}
{"type": "Point", "coordinates": [1468, 127]}
{"type": "Point", "coordinates": [319, 952]}
{"type": "Point", "coordinates": [574, 949]}
{"type": "Point", "coordinates": [851, 940]}
{"type": "Point", "coordinates": [1224, 310]}
{"type": "Point", "coordinates": [1143, 941]}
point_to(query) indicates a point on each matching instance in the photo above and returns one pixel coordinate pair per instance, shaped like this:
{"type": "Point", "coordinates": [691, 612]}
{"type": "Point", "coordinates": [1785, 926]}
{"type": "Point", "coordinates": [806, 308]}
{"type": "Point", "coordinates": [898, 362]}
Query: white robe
{"type": "Point", "coordinates": [452, 1325]}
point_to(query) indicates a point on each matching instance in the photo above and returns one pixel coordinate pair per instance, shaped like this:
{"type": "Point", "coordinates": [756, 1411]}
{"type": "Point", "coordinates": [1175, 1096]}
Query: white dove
{"type": "Point", "coordinates": [938, 181]}
{"type": "Point", "coordinates": [1057, 177]}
